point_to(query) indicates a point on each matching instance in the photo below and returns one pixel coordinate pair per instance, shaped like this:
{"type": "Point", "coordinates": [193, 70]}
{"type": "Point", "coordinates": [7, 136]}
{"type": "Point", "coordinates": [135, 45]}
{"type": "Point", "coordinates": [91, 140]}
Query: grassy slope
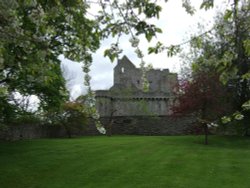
{"type": "Point", "coordinates": [126, 161]}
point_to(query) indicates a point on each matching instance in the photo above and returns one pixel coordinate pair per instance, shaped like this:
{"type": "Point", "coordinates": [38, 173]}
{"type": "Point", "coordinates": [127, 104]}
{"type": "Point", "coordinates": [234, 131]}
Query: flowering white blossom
{"type": "Point", "coordinates": [214, 124]}
{"type": "Point", "coordinates": [134, 41]}
{"type": "Point", "coordinates": [95, 115]}
{"type": "Point", "coordinates": [246, 105]}
{"type": "Point", "coordinates": [210, 125]}
{"type": "Point", "coordinates": [239, 116]}
{"type": "Point", "coordinates": [90, 99]}
{"type": "Point", "coordinates": [101, 129]}
{"type": "Point", "coordinates": [225, 119]}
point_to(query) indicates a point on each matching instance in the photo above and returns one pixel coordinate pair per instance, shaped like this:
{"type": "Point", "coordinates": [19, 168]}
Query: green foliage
{"type": "Point", "coordinates": [34, 33]}
{"type": "Point", "coordinates": [12, 114]}
{"type": "Point", "coordinates": [232, 47]}
{"type": "Point", "coordinates": [113, 52]}
{"type": "Point", "coordinates": [7, 111]}
{"type": "Point", "coordinates": [246, 76]}
{"type": "Point", "coordinates": [196, 42]}
{"type": "Point", "coordinates": [225, 119]}
{"type": "Point", "coordinates": [149, 9]}
{"type": "Point", "coordinates": [149, 30]}
{"type": "Point", "coordinates": [71, 116]}
{"type": "Point", "coordinates": [173, 50]}
{"type": "Point", "coordinates": [225, 50]}
{"type": "Point", "coordinates": [74, 113]}
{"type": "Point", "coordinates": [207, 4]}
{"type": "Point", "coordinates": [228, 14]}
{"type": "Point", "coordinates": [157, 49]}
{"type": "Point", "coordinates": [246, 105]}
{"type": "Point", "coordinates": [26, 119]}
{"type": "Point", "coordinates": [187, 5]}
{"type": "Point", "coordinates": [246, 44]}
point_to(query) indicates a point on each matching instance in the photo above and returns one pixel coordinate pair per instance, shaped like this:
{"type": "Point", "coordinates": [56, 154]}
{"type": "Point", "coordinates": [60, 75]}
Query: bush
{"type": "Point", "coordinates": [71, 116]}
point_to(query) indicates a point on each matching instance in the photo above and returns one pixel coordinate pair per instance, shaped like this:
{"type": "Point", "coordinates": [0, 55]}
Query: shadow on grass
{"type": "Point", "coordinates": [226, 142]}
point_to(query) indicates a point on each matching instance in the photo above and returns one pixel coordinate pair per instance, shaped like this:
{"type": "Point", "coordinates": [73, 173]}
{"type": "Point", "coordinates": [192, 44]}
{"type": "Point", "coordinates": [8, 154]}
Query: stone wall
{"type": "Point", "coordinates": [127, 98]}
{"type": "Point", "coordinates": [134, 125]}
{"type": "Point", "coordinates": [126, 74]}
{"type": "Point", "coordinates": [31, 131]}
{"type": "Point", "coordinates": [145, 125]}
{"type": "Point", "coordinates": [134, 106]}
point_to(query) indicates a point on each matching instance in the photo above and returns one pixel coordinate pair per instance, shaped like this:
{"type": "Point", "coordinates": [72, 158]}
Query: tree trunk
{"type": "Point", "coordinates": [68, 132]}
{"type": "Point", "coordinates": [111, 120]}
{"type": "Point", "coordinates": [109, 133]}
{"type": "Point", "coordinates": [205, 133]}
{"type": "Point", "coordinates": [203, 117]}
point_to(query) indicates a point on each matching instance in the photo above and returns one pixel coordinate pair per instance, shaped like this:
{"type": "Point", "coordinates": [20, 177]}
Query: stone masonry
{"type": "Point", "coordinates": [126, 97]}
{"type": "Point", "coordinates": [133, 111]}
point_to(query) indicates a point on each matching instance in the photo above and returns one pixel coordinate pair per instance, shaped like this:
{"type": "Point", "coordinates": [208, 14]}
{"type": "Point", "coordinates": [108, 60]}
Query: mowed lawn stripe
{"type": "Point", "coordinates": [126, 161]}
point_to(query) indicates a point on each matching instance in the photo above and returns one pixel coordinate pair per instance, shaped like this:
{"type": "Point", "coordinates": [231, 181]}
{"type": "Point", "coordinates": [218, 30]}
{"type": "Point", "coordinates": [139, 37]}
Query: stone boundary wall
{"type": "Point", "coordinates": [145, 125]}
{"type": "Point", "coordinates": [135, 125]}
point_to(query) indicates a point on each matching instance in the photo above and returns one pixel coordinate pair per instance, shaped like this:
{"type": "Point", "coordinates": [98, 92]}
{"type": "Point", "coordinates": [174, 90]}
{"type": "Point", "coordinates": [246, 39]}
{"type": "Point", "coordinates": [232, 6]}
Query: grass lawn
{"type": "Point", "coordinates": [126, 161]}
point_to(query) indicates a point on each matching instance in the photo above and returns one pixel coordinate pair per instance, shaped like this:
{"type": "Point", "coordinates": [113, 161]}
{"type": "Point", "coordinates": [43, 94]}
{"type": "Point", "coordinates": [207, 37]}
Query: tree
{"type": "Point", "coordinates": [33, 33]}
{"type": "Point", "coordinates": [225, 49]}
{"type": "Point", "coordinates": [233, 39]}
{"type": "Point", "coordinates": [72, 116]}
{"type": "Point", "coordinates": [204, 97]}
{"type": "Point", "coordinates": [218, 56]}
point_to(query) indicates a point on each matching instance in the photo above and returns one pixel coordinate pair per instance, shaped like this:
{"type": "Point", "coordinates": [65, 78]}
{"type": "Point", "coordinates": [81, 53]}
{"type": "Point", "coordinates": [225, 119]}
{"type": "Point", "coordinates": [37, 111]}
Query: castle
{"type": "Point", "coordinates": [127, 98]}
{"type": "Point", "coordinates": [125, 108]}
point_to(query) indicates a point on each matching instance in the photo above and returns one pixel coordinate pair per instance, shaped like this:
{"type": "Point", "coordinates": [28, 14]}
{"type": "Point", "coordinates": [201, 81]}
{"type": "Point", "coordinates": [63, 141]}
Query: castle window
{"type": "Point", "coordinates": [138, 81]}
{"type": "Point", "coordinates": [122, 69]}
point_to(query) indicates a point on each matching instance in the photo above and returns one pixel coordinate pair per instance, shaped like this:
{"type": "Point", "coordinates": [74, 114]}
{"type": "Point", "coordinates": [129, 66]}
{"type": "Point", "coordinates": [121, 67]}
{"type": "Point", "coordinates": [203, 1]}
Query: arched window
{"type": "Point", "coordinates": [122, 69]}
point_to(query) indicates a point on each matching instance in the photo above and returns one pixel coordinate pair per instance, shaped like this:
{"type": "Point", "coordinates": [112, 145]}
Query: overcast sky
{"type": "Point", "coordinates": [177, 27]}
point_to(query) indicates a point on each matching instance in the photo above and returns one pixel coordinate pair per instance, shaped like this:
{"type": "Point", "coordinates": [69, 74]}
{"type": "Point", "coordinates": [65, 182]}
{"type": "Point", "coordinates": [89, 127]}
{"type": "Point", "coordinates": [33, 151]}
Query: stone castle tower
{"type": "Point", "coordinates": [126, 97]}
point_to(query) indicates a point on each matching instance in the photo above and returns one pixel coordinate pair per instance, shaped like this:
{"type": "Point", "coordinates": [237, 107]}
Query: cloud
{"type": "Point", "coordinates": [177, 26]}
{"type": "Point", "coordinates": [77, 90]}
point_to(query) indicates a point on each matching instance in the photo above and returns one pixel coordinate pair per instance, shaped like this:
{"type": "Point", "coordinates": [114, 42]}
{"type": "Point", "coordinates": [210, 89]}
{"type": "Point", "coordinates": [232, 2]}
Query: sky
{"type": "Point", "coordinates": [177, 27]}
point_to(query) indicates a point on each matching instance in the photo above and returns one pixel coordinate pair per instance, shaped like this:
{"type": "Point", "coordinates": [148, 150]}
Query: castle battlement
{"type": "Point", "coordinates": [127, 98]}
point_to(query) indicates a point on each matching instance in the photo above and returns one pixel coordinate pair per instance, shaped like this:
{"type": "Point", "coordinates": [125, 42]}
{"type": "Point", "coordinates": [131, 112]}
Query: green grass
{"type": "Point", "coordinates": [126, 161]}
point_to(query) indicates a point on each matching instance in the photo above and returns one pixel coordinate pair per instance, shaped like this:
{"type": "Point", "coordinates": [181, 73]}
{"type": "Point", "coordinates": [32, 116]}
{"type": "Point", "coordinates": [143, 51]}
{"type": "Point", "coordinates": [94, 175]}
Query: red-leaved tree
{"type": "Point", "coordinates": [204, 97]}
